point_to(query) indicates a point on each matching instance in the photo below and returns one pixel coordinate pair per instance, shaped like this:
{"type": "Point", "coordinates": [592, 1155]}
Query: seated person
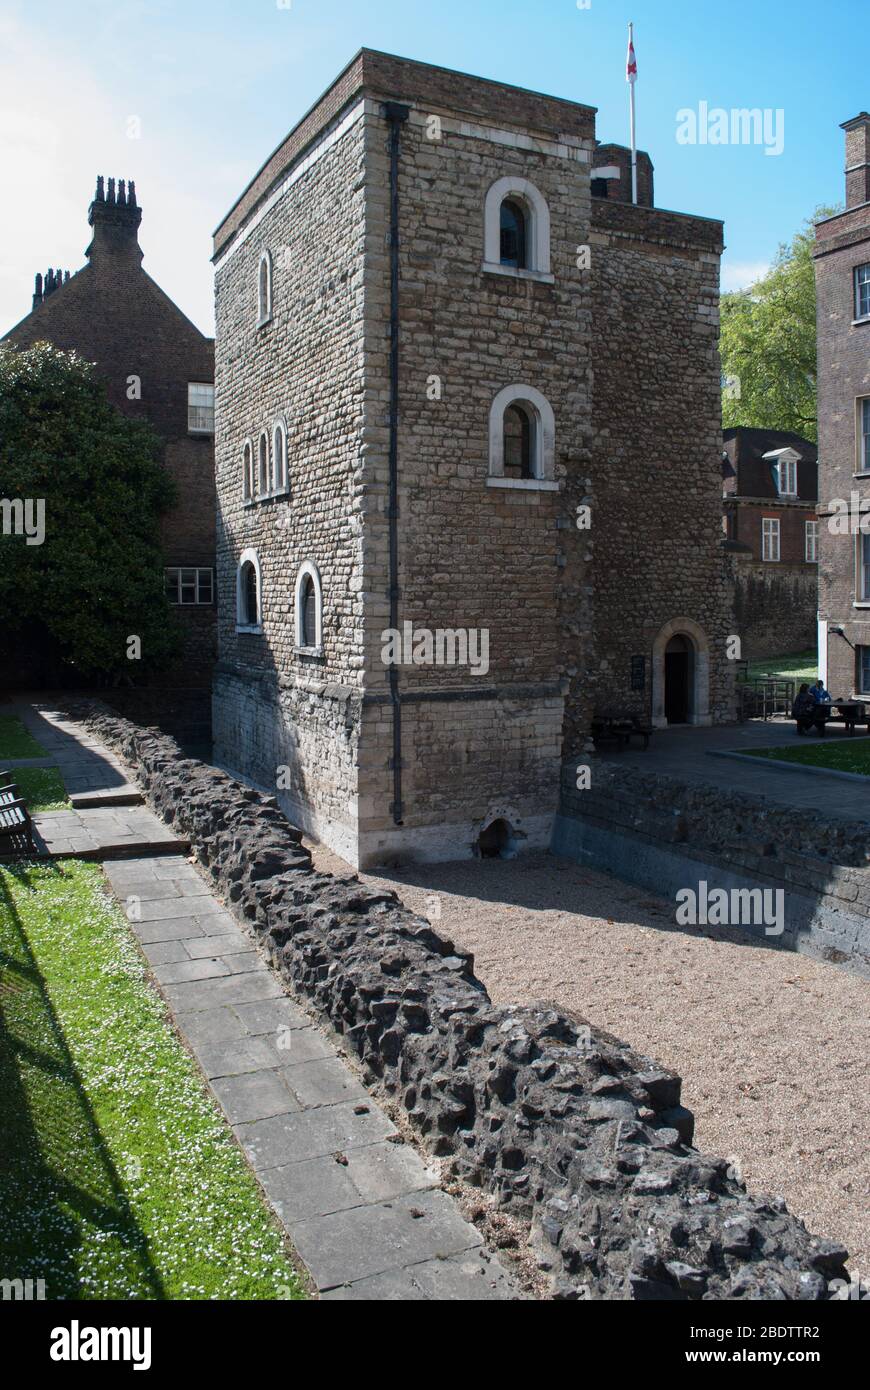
{"type": "Point", "coordinates": [819, 693]}
{"type": "Point", "coordinates": [803, 711]}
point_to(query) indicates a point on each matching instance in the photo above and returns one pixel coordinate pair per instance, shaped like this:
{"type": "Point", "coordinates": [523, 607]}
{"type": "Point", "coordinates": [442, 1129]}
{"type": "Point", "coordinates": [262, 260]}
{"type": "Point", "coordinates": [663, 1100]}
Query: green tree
{"type": "Point", "coordinates": [768, 343]}
{"type": "Point", "coordinates": [96, 579]}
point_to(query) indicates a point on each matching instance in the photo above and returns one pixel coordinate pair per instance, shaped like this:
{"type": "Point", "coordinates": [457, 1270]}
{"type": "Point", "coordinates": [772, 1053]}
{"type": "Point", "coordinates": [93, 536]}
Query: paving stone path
{"type": "Point", "coordinates": [362, 1208]}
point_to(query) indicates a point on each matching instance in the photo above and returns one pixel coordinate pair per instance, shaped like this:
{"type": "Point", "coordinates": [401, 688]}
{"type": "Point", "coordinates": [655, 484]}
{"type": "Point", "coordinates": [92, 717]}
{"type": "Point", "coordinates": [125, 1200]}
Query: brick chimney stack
{"type": "Point", "coordinates": [857, 160]}
{"type": "Point", "coordinates": [115, 217]}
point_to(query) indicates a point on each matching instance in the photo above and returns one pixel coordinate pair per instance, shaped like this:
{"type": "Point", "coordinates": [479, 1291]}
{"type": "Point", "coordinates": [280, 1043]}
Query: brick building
{"type": "Point", "coordinates": [842, 261]}
{"type": "Point", "coordinates": [462, 401]}
{"type": "Point", "coordinates": [158, 366]}
{"type": "Point", "coordinates": [770, 492]}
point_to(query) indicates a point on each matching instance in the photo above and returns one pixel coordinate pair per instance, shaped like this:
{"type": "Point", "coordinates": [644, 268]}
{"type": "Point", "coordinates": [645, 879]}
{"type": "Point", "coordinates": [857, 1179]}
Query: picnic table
{"type": "Point", "coordinates": [848, 712]}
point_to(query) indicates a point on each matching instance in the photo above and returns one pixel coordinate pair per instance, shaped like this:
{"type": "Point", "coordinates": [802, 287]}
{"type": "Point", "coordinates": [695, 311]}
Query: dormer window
{"type": "Point", "coordinates": [784, 464]}
{"type": "Point", "coordinates": [264, 289]}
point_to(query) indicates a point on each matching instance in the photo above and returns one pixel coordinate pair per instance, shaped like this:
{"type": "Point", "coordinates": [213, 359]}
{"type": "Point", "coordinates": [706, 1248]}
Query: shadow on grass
{"type": "Point", "coordinates": [56, 1173]}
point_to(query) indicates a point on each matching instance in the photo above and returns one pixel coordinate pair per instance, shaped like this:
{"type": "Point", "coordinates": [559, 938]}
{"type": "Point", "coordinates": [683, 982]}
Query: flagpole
{"type": "Point", "coordinates": [631, 87]}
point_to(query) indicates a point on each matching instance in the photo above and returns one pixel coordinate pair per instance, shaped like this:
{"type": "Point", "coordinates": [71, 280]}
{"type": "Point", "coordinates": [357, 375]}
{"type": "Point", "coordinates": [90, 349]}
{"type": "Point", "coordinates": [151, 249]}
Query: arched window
{"type": "Point", "coordinates": [263, 481]}
{"type": "Point", "coordinates": [309, 610]}
{"type": "Point", "coordinates": [522, 437]}
{"type": "Point", "coordinates": [249, 593]}
{"type": "Point", "coordinates": [513, 234]}
{"type": "Point", "coordinates": [517, 229]}
{"type": "Point", "coordinates": [519, 430]}
{"type": "Point", "coordinates": [264, 289]}
{"type": "Point", "coordinates": [248, 472]}
{"type": "Point", "coordinates": [279, 457]}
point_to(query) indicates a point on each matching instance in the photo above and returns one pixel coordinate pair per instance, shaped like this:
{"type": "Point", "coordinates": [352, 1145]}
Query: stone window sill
{"type": "Point", "coordinates": [249, 631]}
{"type": "Point", "coordinates": [512, 273]}
{"type": "Point", "coordinates": [861, 603]}
{"type": "Point", "coordinates": [856, 323]}
{"type": "Point", "coordinates": [525, 484]}
{"type": "Point", "coordinates": [315, 652]}
{"type": "Point", "coordinates": [865, 474]}
{"type": "Point", "coordinates": [265, 497]}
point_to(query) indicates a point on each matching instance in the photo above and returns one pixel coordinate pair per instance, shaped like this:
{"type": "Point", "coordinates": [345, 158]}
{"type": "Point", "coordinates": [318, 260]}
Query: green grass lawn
{"type": "Point", "coordinates": [119, 1178]}
{"type": "Point", "coordinates": [799, 666]}
{"type": "Point", "coordinates": [42, 788]}
{"type": "Point", "coordinates": [846, 755]}
{"type": "Point", "coordinates": [15, 741]}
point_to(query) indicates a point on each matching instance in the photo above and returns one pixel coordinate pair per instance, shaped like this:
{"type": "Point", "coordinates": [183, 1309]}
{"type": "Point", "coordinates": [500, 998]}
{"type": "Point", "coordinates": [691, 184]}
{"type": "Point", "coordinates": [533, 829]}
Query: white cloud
{"type": "Point", "coordinates": [739, 275]}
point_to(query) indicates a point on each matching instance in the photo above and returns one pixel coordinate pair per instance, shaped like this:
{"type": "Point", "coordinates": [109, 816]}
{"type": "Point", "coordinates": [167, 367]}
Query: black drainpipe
{"type": "Point", "coordinates": [396, 114]}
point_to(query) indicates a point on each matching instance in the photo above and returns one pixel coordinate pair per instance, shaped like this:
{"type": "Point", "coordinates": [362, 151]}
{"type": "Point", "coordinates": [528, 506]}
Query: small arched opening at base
{"type": "Point", "coordinates": [496, 841]}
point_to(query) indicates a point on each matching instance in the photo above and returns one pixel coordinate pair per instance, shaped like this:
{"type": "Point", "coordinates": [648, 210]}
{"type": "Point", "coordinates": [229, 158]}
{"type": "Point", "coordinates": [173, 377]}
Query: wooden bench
{"type": "Point", "coordinates": [16, 827]}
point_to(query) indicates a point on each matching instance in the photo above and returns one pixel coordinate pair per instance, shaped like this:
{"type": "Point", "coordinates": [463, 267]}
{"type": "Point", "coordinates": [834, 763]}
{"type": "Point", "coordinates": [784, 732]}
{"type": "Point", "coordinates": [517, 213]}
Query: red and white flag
{"type": "Point", "coordinates": [631, 62]}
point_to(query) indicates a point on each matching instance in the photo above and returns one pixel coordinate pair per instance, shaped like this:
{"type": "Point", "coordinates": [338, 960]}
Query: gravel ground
{"type": "Point", "coordinates": [772, 1047]}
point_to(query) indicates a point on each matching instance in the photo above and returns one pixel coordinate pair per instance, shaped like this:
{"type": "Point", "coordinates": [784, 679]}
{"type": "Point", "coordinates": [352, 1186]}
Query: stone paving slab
{"type": "Point", "coordinates": [472, 1276]}
{"type": "Point", "coordinates": [103, 833]}
{"type": "Point", "coordinates": [368, 1240]}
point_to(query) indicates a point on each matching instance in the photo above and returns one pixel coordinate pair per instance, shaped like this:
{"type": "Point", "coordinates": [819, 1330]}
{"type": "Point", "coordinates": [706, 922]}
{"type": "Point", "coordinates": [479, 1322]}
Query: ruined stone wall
{"type": "Point", "coordinates": [568, 1128]}
{"type": "Point", "coordinates": [657, 449]}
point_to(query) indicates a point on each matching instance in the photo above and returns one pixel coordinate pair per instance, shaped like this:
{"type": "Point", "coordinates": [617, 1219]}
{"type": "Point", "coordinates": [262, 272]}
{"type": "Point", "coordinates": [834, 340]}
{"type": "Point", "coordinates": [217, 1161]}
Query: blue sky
{"type": "Point", "coordinates": [216, 84]}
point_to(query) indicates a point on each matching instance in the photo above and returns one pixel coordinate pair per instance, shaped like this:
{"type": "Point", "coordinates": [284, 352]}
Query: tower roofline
{"type": "Point", "coordinates": [385, 75]}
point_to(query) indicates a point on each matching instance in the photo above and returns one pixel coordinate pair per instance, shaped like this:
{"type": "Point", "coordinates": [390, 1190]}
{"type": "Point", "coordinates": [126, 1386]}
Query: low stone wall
{"type": "Point", "coordinates": [565, 1125]}
{"type": "Point", "coordinates": [666, 834]}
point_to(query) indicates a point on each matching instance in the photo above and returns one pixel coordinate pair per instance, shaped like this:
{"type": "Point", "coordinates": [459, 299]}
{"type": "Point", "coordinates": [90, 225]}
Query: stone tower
{"type": "Point", "coordinates": [435, 556]}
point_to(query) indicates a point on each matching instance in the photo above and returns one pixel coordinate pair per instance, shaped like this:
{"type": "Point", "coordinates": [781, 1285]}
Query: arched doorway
{"type": "Point", "coordinates": [681, 675]}
{"type": "Point", "coordinates": [496, 841]}
{"type": "Point", "coordinates": [679, 679]}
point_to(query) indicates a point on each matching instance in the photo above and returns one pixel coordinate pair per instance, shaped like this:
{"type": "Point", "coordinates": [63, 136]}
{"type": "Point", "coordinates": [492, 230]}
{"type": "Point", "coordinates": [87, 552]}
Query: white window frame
{"type": "Point", "coordinates": [543, 440]}
{"type": "Point", "coordinates": [862, 425]}
{"type": "Point", "coordinates": [249, 556]}
{"type": "Point", "coordinates": [811, 542]}
{"type": "Point", "coordinates": [860, 283]}
{"type": "Point", "coordinates": [787, 477]}
{"type": "Point", "coordinates": [862, 674]}
{"type": "Point", "coordinates": [280, 487]}
{"type": "Point", "coordinates": [862, 563]}
{"type": "Point", "coordinates": [534, 204]}
{"type": "Point", "coordinates": [191, 408]}
{"type": "Point", "coordinates": [197, 571]}
{"type": "Point", "coordinates": [264, 309]}
{"type": "Point", "coordinates": [249, 472]}
{"type": "Point", "coordinates": [770, 532]}
{"type": "Point", "coordinates": [308, 570]}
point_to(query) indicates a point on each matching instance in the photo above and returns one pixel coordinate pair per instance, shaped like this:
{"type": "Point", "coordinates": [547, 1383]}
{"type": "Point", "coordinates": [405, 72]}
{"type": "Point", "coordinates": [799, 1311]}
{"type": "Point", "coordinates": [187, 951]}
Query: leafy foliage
{"type": "Point", "coordinates": [768, 343]}
{"type": "Point", "coordinates": [97, 578]}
